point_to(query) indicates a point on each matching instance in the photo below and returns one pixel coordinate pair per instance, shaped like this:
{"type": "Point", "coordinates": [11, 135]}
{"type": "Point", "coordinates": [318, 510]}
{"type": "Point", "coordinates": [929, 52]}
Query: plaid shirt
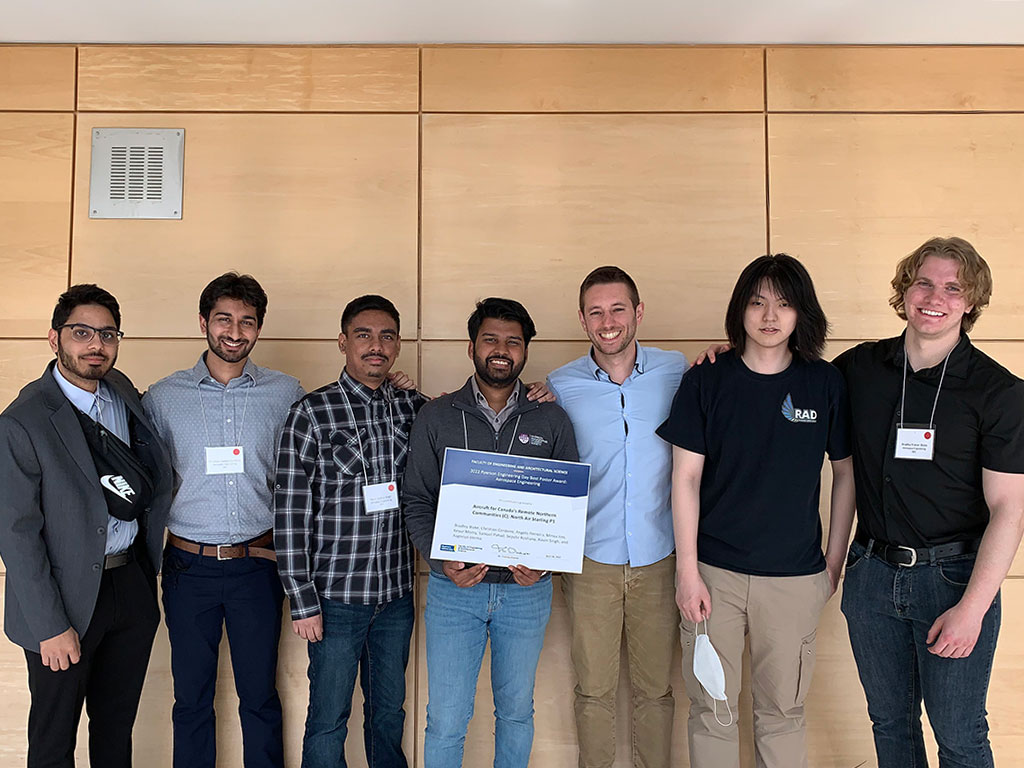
{"type": "Point", "coordinates": [335, 440]}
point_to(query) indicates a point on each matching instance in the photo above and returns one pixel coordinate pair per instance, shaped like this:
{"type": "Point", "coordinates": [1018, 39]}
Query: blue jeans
{"type": "Point", "coordinates": [889, 611]}
{"type": "Point", "coordinates": [201, 596]}
{"type": "Point", "coordinates": [375, 640]}
{"type": "Point", "coordinates": [458, 623]}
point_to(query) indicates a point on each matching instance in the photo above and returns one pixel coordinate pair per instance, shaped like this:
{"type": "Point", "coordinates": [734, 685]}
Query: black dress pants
{"type": "Point", "coordinates": [108, 678]}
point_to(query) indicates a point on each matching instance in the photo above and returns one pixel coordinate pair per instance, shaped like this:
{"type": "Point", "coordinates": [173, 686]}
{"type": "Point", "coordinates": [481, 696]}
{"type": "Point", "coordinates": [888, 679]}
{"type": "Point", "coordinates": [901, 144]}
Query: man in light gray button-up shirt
{"type": "Point", "coordinates": [221, 420]}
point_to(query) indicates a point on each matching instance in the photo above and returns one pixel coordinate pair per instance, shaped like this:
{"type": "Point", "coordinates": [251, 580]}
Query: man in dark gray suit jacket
{"type": "Point", "coordinates": [86, 487]}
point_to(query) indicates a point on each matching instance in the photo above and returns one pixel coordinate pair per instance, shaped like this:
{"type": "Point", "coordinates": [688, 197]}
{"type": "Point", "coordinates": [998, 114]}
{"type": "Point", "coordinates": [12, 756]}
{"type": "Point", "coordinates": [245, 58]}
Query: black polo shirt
{"type": "Point", "coordinates": [979, 423]}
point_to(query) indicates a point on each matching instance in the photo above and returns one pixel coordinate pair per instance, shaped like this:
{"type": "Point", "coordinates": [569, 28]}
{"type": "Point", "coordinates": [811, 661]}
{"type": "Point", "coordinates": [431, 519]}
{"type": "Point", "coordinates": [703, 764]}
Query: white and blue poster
{"type": "Point", "coordinates": [502, 509]}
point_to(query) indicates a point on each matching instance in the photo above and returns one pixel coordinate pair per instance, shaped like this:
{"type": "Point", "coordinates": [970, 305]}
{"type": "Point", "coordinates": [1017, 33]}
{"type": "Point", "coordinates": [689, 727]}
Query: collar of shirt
{"type": "Point", "coordinates": [481, 400]}
{"type": "Point", "coordinates": [364, 393]}
{"type": "Point", "coordinates": [959, 358]}
{"type": "Point", "coordinates": [600, 373]}
{"type": "Point", "coordinates": [250, 374]}
{"type": "Point", "coordinates": [83, 399]}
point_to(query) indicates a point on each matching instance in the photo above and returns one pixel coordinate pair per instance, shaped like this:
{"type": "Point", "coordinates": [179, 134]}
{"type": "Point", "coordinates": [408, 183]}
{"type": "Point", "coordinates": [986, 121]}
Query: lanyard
{"type": "Point", "coordinates": [237, 432]}
{"type": "Point", "coordinates": [903, 399]}
{"type": "Point", "coordinates": [511, 442]}
{"type": "Point", "coordinates": [390, 421]}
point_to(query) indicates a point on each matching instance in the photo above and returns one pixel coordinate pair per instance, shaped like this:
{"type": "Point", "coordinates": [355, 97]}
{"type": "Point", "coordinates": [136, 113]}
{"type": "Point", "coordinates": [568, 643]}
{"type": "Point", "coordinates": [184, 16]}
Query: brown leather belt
{"type": "Point", "coordinates": [255, 548]}
{"type": "Point", "coordinates": [118, 559]}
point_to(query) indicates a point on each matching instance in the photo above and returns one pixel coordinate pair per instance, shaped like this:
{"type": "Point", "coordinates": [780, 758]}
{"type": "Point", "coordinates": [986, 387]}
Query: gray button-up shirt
{"type": "Point", "coordinates": [192, 411]}
{"type": "Point", "coordinates": [496, 420]}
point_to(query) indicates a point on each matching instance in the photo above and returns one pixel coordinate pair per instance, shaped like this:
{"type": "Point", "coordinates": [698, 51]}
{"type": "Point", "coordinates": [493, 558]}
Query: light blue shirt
{"type": "Point", "coordinates": [629, 519]}
{"type": "Point", "coordinates": [191, 411]}
{"type": "Point", "coordinates": [105, 406]}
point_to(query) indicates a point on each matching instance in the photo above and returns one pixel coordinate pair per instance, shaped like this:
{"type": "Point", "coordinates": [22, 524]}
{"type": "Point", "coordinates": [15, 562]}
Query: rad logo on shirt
{"type": "Point", "coordinates": [526, 439]}
{"type": "Point", "coordinates": [118, 485]}
{"type": "Point", "coordinates": [798, 415]}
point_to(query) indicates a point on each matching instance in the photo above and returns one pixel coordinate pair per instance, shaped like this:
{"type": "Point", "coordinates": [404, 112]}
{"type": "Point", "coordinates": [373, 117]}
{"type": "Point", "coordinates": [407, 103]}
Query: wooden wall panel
{"type": "Point", "coordinates": [853, 194]}
{"type": "Point", "coordinates": [37, 77]}
{"type": "Point", "coordinates": [592, 79]}
{"type": "Point", "coordinates": [237, 79]}
{"type": "Point", "coordinates": [35, 225]}
{"type": "Point", "coordinates": [320, 208]}
{"type": "Point", "coordinates": [526, 206]}
{"type": "Point", "coordinates": [21, 361]}
{"type": "Point", "coordinates": [895, 79]}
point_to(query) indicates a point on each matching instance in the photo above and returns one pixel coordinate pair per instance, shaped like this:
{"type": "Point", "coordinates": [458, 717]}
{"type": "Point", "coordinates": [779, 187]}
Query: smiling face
{"type": "Point", "coordinates": [769, 320]}
{"type": "Point", "coordinates": [371, 345]}
{"type": "Point", "coordinates": [609, 318]}
{"type": "Point", "coordinates": [85, 363]}
{"type": "Point", "coordinates": [232, 329]}
{"type": "Point", "coordinates": [499, 352]}
{"type": "Point", "coordinates": [934, 303]}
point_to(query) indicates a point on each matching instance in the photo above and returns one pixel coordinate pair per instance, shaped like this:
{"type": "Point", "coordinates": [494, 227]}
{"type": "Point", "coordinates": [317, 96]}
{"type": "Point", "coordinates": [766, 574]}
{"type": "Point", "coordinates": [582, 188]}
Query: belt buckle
{"type": "Point", "coordinates": [913, 557]}
{"type": "Point", "coordinates": [219, 546]}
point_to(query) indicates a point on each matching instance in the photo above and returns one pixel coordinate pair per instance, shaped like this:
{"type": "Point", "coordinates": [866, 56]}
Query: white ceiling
{"type": "Point", "coordinates": [512, 21]}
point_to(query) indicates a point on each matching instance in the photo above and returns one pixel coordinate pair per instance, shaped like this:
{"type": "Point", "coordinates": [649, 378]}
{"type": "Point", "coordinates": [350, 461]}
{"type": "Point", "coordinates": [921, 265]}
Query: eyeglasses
{"type": "Point", "coordinates": [83, 333]}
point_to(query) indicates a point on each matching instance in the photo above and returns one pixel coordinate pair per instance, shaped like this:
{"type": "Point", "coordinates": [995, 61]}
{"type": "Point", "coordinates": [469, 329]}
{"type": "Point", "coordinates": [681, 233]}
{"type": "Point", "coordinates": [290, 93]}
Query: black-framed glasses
{"type": "Point", "coordinates": [83, 333]}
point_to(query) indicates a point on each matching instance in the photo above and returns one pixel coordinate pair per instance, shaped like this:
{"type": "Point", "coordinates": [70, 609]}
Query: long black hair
{"type": "Point", "coordinates": [789, 279]}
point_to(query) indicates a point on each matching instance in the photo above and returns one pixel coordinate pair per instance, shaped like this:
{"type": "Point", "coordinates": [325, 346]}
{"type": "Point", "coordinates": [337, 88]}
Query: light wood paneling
{"type": "Point", "coordinates": [234, 79]}
{"type": "Point", "coordinates": [35, 201]}
{"type": "Point", "coordinates": [314, 363]}
{"type": "Point", "coordinates": [895, 79]}
{"type": "Point", "coordinates": [21, 361]}
{"type": "Point", "coordinates": [319, 208]}
{"type": "Point", "coordinates": [592, 79]}
{"type": "Point", "coordinates": [37, 77]}
{"type": "Point", "coordinates": [526, 206]}
{"type": "Point", "coordinates": [853, 194]}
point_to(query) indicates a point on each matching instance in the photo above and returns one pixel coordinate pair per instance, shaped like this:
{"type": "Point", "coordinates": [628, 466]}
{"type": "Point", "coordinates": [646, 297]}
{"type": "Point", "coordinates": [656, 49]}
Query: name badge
{"type": "Point", "coordinates": [380, 497]}
{"type": "Point", "coordinates": [915, 443]}
{"type": "Point", "coordinates": [225, 460]}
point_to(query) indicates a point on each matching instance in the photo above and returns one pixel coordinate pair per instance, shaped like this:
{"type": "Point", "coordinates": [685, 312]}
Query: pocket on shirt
{"type": "Point", "coordinates": [348, 459]}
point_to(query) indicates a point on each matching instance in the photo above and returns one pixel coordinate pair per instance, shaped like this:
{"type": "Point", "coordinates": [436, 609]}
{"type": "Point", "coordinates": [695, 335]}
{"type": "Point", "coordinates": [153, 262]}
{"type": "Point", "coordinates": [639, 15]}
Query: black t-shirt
{"type": "Point", "coordinates": [763, 438]}
{"type": "Point", "coordinates": [979, 423]}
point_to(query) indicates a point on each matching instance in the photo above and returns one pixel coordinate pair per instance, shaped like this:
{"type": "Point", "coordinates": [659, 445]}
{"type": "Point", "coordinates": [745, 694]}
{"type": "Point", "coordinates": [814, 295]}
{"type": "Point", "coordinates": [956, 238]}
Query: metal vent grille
{"type": "Point", "coordinates": [136, 173]}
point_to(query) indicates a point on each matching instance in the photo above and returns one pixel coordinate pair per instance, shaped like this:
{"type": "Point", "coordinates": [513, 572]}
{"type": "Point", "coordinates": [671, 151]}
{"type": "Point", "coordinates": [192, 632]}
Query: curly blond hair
{"type": "Point", "coordinates": [973, 274]}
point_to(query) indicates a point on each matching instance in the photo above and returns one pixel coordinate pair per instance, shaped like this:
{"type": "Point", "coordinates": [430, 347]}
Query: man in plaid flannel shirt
{"type": "Point", "coordinates": [343, 553]}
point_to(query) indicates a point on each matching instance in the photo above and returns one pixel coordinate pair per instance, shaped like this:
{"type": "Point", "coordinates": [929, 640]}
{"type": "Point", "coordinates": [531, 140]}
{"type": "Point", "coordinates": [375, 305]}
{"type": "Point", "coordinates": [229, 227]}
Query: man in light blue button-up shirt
{"type": "Point", "coordinates": [616, 396]}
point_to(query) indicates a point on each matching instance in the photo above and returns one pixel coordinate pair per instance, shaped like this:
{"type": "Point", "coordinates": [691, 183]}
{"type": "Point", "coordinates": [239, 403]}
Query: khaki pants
{"type": "Point", "coordinates": [602, 600]}
{"type": "Point", "coordinates": [780, 616]}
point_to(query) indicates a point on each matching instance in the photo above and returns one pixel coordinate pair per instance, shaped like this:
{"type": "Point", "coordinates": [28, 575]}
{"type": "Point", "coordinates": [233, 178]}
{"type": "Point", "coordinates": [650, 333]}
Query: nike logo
{"type": "Point", "coordinates": [118, 486]}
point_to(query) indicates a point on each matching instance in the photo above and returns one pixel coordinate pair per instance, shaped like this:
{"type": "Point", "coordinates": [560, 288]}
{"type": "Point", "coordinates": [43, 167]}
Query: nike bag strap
{"type": "Point", "coordinates": [126, 482]}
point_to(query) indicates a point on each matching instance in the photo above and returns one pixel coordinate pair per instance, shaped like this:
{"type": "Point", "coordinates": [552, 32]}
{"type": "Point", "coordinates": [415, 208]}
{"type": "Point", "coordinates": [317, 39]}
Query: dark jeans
{"type": "Point", "coordinates": [201, 596]}
{"type": "Point", "coordinates": [375, 640]}
{"type": "Point", "coordinates": [108, 678]}
{"type": "Point", "coordinates": [889, 611]}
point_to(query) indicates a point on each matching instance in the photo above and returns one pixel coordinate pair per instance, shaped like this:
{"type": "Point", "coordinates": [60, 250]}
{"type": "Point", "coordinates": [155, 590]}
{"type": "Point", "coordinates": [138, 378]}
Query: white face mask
{"type": "Point", "coordinates": [707, 668]}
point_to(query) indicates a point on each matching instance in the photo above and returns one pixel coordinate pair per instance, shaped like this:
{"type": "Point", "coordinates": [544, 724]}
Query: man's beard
{"type": "Point", "coordinates": [484, 374]}
{"type": "Point", "coordinates": [84, 370]}
{"type": "Point", "coordinates": [229, 355]}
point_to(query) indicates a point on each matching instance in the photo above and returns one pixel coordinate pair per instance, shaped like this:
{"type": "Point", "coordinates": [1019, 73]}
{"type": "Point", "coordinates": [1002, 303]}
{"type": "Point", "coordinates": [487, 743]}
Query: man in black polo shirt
{"type": "Point", "coordinates": [938, 442]}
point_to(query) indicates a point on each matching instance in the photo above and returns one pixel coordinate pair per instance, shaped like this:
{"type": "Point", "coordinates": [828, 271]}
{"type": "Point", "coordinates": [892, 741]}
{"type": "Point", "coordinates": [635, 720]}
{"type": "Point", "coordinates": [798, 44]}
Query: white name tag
{"type": "Point", "coordinates": [915, 443]}
{"type": "Point", "coordinates": [380, 497]}
{"type": "Point", "coordinates": [225, 460]}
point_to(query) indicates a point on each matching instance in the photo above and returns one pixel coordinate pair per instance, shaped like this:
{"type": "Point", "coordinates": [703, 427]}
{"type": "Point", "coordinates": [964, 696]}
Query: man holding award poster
{"type": "Point", "coordinates": [467, 603]}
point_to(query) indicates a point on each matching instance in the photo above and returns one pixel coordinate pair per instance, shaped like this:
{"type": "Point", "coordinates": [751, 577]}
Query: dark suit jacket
{"type": "Point", "coordinates": [53, 516]}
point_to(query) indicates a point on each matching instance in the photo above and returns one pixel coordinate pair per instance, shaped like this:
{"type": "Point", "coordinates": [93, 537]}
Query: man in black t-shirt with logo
{"type": "Point", "coordinates": [749, 436]}
{"type": "Point", "coordinates": [938, 443]}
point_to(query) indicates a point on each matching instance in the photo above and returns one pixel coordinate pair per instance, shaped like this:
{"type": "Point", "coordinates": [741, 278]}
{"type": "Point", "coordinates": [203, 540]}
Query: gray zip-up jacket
{"type": "Point", "coordinates": [542, 430]}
